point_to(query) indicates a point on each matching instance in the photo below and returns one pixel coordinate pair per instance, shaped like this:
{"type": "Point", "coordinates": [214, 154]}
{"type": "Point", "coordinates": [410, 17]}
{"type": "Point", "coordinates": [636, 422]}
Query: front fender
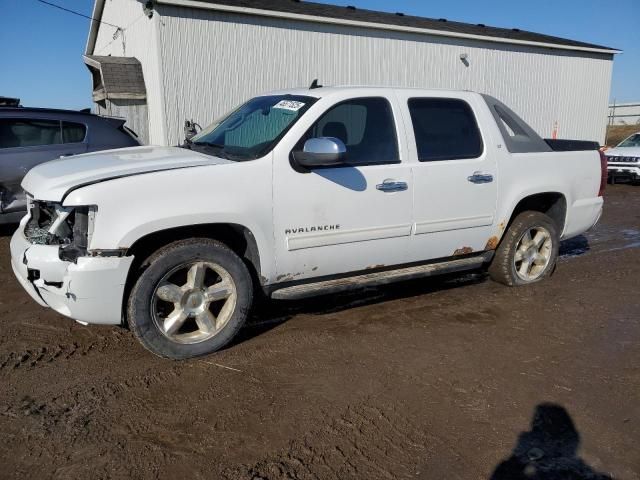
{"type": "Point", "coordinates": [131, 208]}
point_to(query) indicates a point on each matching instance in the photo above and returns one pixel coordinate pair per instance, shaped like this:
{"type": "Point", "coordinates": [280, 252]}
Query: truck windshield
{"type": "Point", "coordinates": [632, 141]}
{"type": "Point", "coordinates": [252, 130]}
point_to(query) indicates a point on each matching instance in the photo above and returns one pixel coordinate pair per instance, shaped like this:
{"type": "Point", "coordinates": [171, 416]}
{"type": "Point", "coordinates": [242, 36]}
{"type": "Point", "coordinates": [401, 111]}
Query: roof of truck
{"type": "Point", "coordinates": [325, 91]}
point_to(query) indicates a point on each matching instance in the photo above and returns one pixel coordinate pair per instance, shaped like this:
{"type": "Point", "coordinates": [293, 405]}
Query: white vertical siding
{"type": "Point", "coordinates": [212, 61]}
{"type": "Point", "coordinates": [138, 40]}
{"type": "Point", "coordinates": [136, 113]}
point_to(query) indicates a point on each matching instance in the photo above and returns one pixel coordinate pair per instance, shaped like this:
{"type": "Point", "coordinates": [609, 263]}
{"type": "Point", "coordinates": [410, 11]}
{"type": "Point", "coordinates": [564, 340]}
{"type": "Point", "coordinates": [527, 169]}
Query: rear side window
{"type": "Point", "coordinates": [518, 136]}
{"type": "Point", "coordinates": [445, 129]}
{"type": "Point", "coordinates": [23, 132]}
{"type": "Point", "coordinates": [73, 132]}
{"type": "Point", "coordinates": [365, 126]}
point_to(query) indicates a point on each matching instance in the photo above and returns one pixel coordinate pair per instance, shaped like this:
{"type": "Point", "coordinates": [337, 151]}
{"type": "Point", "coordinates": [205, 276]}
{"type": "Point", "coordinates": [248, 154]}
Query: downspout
{"type": "Point", "coordinates": [157, 24]}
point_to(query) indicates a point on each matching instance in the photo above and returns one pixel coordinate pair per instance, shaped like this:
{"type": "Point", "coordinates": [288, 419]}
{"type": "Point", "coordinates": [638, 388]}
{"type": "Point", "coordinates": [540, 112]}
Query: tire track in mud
{"type": "Point", "coordinates": [53, 424]}
{"type": "Point", "coordinates": [56, 410]}
{"type": "Point", "coordinates": [54, 352]}
{"type": "Point", "coordinates": [365, 441]}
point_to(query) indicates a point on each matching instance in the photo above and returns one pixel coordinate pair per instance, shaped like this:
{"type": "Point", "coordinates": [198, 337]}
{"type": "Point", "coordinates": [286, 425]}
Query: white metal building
{"type": "Point", "coordinates": [200, 58]}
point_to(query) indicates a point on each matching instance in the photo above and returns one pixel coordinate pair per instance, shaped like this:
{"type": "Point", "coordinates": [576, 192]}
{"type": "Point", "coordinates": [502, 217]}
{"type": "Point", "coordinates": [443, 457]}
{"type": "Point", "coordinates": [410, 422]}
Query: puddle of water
{"type": "Point", "coordinates": [630, 233]}
{"type": "Point", "coordinates": [625, 247]}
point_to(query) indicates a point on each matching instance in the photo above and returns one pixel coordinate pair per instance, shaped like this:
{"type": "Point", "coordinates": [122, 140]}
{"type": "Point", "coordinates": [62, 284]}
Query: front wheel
{"type": "Point", "coordinates": [191, 299]}
{"type": "Point", "coordinates": [528, 252]}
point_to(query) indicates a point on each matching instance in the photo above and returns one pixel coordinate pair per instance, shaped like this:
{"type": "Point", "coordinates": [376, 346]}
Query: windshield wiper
{"type": "Point", "coordinates": [210, 144]}
{"type": "Point", "coordinates": [220, 151]}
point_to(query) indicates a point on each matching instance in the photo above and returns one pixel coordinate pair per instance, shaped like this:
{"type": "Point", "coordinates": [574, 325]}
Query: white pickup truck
{"type": "Point", "coordinates": [297, 193]}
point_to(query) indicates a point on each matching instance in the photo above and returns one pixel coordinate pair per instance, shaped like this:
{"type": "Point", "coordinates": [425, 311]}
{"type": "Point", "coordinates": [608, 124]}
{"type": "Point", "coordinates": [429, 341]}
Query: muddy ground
{"type": "Point", "coordinates": [431, 379]}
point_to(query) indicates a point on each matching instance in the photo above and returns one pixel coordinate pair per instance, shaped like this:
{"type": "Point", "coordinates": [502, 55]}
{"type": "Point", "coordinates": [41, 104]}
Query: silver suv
{"type": "Point", "coordinates": [30, 136]}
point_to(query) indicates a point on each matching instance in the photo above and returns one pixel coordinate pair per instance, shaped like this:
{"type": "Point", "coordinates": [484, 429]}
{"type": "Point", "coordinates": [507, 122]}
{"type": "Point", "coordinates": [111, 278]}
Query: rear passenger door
{"type": "Point", "coordinates": [27, 142]}
{"type": "Point", "coordinates": [454, 176]}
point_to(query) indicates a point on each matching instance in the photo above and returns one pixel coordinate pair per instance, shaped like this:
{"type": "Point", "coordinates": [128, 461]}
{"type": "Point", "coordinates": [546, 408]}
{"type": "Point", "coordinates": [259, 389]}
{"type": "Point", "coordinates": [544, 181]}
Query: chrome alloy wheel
{"type": "Point", "coordinates": [533, 253]}
{"type": "Point", "coordinates": [193, 302]}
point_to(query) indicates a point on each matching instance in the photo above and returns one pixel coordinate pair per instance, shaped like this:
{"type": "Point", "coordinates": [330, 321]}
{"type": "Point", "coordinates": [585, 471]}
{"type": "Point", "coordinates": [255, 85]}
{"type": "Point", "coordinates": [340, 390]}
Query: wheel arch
{"type": "Point", "coordinates": [239, 238]}
{"type": "Point", "coordinates": [552, 204]}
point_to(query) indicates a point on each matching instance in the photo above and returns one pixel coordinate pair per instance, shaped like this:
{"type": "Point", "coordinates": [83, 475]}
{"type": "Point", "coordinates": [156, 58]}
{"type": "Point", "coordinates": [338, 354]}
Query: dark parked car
{"type": "Point", "coordinates": [30, 136]}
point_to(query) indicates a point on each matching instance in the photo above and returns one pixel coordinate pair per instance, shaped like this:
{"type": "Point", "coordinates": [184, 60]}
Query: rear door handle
{"type": "Point", "coordinates": [390, 185]}
{"type": "Point", "coordinates": [479, 177]}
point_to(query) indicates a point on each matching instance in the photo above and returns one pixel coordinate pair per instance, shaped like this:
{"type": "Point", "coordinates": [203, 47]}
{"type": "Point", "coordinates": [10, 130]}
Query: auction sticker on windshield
{"type": "Point", "coordinates": [291, 105]}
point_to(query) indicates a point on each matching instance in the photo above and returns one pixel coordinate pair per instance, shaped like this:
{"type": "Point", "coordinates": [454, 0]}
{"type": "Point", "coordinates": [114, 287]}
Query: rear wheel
{"type": "Point", "coordinates": [528, 251]}
{"type": "Point", "coordinates": [191, 299]}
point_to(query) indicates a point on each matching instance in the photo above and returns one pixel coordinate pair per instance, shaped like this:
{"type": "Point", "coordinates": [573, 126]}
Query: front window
{"type": "Point", "coordinates": [632, 141]}
{"type": "Point", "coordinates": [252, 130]}
{"type": "Point", "coordinates": [25, 132]}
{"type": "Point", "coordinates": [365, 126]}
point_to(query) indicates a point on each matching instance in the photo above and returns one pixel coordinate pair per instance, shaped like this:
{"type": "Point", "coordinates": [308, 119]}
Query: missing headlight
{"type": "Point", "coordinates": [42, 217]}
{"type": "Point", "coordinates": [69, 227]}
{"type": "Point", "coordinates": [79, 243]}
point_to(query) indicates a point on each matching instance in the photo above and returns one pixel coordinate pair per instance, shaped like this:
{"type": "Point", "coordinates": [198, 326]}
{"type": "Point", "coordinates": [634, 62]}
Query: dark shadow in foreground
{"type": "Point", "coordinates": [547, 451]}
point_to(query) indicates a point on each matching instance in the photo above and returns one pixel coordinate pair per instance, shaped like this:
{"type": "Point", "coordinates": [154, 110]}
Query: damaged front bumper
{"type": "Point", "coordinates": [89, 290]}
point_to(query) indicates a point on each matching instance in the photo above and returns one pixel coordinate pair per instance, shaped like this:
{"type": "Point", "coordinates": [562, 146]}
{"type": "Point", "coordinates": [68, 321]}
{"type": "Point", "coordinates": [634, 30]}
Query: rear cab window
{"type": "Point", "coordinates": [444, 129]}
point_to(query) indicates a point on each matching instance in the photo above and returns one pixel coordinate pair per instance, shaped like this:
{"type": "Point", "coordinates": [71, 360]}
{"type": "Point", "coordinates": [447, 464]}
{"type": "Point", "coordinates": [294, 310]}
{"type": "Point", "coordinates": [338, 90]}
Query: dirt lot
{"type": "Point", "coordinates": [449, 378]}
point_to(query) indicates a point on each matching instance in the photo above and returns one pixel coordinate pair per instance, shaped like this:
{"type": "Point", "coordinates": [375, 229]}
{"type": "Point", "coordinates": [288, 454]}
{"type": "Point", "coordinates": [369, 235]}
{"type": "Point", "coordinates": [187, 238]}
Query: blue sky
{"type": "Point", "coordinates": [41, 47]}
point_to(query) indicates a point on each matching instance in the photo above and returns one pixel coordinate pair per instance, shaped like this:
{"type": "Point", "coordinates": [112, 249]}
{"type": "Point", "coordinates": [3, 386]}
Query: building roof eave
{"type": "Point", "coordinates": [212, 5]}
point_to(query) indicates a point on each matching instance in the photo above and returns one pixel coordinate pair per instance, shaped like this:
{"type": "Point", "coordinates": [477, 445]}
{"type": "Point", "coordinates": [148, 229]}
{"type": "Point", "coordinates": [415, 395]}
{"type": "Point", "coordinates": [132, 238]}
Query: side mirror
{"type": "Point", "coordinates": [322, 152]}
{"type": "Point", "coordinates": [190, 130]}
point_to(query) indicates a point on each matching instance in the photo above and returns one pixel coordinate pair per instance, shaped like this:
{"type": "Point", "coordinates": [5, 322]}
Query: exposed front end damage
{"type": "Point", "coordinates": [50, 258]}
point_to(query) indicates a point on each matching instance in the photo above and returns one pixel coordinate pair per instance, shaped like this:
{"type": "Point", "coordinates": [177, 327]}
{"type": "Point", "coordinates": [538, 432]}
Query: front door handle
{"type": "Point", "coordinates": [390, 185]}
{"type": "Point", "coordinates": [479, 177]}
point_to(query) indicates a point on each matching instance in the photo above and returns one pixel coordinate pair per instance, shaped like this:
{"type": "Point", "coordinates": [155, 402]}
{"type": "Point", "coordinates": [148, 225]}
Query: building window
{"type": "Point", "coordinates": [445, 129]}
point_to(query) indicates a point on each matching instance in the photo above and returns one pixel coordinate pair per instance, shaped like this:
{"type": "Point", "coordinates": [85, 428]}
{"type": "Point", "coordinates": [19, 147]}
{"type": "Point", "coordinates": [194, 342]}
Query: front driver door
{"type": "Point", "coordinates": [347, 218]}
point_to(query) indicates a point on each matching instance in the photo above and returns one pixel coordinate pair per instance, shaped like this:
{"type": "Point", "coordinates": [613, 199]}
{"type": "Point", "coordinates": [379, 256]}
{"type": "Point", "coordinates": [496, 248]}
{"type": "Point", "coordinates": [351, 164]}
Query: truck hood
{"type": "Point", "coordinates": [53, 180]}
{"type": "Point", "coordinates": [623, 152]}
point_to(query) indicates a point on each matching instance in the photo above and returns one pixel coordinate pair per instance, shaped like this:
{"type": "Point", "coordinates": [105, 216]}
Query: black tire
{"type": "Point", "coordinates": [163, 262]}
{"type": "Point", "coordinates": [503, 266]}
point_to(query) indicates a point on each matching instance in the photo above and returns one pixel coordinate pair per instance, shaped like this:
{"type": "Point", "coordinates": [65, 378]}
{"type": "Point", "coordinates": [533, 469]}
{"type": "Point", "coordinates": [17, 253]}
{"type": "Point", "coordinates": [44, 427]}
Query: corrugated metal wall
{"type": "Point", "coordinates": [138, 40]}
{"type": "Point", "coordinates": [198, 64]}
{"type": "Point", "coordinates": [212, 61]}
{"type": "Point", "coordinates": [135, 111]}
